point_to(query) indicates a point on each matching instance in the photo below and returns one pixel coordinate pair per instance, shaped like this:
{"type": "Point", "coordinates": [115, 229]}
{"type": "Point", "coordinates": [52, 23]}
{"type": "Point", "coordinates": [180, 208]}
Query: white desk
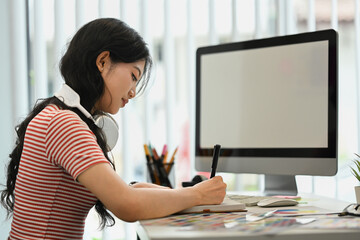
{"type": "Point", "coordinates": [154, 232]}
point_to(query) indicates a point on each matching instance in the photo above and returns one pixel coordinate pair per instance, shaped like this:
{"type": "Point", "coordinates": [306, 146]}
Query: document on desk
{"type": "Point", "coordinates": [227, 205]}
{"type": "Point", "coordinates": [334, 223]}
{"type": "Point", "coordinates": [302, 211]}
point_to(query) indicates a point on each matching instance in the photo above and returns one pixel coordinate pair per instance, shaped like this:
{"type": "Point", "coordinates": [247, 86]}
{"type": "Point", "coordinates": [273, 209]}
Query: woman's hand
{"type": "Point", "coordinates": [145, 201]}
{"type": "Point", "coordinates": [211, 191]}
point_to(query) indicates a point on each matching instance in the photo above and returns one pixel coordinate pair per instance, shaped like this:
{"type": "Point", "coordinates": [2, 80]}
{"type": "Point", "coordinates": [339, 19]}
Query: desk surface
{"type": "Point", "coordinates": [155, 230]}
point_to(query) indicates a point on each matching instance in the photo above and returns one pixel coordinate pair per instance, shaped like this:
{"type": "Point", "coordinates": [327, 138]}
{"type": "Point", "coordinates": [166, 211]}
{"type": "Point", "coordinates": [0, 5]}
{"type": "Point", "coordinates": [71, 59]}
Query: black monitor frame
{"type": "Point", "coordinates": [329, 152]}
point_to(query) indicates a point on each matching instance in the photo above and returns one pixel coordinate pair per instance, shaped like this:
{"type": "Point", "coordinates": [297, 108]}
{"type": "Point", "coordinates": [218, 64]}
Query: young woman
{"type": "Point", "coordinates": [59, 168]}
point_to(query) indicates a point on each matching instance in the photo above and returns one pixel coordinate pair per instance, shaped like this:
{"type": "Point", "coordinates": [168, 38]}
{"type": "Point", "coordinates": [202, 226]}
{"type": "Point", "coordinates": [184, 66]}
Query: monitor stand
{"type": "Point", "coordinates": [280, 185]}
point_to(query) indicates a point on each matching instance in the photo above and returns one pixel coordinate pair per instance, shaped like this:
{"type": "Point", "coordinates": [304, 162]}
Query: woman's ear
{"type": "Point", "coordinates": [102, 59]}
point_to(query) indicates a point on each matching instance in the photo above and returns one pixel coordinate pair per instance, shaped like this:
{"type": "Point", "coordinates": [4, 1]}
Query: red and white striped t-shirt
{"type": "Point", "coordinates": [49, 203]}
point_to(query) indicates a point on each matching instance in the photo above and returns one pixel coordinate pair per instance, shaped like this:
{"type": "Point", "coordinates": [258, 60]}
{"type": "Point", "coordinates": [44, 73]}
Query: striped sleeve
{"type": "Point", "coordinates": [70, 143]}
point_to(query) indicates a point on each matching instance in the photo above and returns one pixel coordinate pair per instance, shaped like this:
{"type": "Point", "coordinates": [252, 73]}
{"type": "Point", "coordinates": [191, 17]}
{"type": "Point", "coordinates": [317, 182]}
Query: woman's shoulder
{"type": "Point", "coordinates": [56, 111]}
{"type": "Point", "coordinates": [56, 114]}
{"type": "Point", "coordinates": [61, 121]}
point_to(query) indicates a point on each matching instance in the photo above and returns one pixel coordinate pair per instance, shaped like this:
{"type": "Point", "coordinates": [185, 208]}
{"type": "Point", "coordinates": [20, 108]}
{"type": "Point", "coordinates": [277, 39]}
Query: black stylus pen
{"type": "Point", "coordinates": [215, 160]}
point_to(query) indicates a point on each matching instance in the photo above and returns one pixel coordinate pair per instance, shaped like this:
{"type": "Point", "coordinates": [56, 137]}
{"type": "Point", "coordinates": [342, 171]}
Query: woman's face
{"type": "Point", "coordinates": [119, 83]}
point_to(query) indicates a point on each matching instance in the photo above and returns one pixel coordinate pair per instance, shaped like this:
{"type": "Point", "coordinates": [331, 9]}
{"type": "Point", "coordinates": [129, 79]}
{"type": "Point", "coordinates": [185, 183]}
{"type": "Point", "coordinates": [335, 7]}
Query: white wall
{"type": "Point", "coordinates": [6, 125]}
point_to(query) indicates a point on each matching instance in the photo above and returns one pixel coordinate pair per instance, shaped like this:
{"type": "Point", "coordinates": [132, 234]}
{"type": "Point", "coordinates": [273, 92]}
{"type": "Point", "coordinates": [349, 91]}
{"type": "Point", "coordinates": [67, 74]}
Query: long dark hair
{"type": "Point", "coordinates": [79, 70]}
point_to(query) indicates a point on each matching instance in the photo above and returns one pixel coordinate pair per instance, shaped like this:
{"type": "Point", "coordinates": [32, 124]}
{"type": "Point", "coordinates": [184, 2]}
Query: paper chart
{"type": "Point", "coordinates": [335, 223]}
{"type": "Point", "coordinates": [301, 211]}
{"type": "Point", "coordinates": [224, 222]}
{"type": "Point", "coordinates": [209, 221]}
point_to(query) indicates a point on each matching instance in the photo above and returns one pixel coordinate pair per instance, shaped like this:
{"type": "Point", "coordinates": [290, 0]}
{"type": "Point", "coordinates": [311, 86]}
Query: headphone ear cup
{"type": "Point", "coordinates": [109, 128]}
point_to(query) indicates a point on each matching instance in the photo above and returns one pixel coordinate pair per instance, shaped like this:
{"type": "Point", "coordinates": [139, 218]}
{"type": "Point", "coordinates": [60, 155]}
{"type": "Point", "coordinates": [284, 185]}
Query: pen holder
{"type": "Point", "coordinates": [159, 173]}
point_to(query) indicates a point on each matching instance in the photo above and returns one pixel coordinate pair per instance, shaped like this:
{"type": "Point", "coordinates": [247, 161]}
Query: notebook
{"type": "Point", "coordinates": [227, 205]}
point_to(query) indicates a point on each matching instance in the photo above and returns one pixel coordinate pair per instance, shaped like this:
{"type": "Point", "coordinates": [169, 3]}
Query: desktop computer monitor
{"type": "Point", "coordinates": [272, 105]}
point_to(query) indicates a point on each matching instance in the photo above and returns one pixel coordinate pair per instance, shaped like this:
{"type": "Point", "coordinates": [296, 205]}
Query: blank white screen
{"type": "Point", "coordinates": [274, 97]}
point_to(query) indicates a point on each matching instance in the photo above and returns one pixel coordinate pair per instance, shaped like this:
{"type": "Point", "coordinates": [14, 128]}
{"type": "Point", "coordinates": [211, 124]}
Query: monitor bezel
{"type": "Point", "coordinates": [329, 35]}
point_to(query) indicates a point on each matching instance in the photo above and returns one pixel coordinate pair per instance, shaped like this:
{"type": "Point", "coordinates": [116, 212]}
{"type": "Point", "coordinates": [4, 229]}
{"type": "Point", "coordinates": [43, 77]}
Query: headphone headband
{"type": "Point", "coordinates": [71, 98]}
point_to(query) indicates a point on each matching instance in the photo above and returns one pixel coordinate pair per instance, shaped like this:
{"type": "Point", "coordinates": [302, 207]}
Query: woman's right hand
{"type": "Point", "coordinates": [211, 191]}
{"type": "Point", "coordinates": [133, 203]}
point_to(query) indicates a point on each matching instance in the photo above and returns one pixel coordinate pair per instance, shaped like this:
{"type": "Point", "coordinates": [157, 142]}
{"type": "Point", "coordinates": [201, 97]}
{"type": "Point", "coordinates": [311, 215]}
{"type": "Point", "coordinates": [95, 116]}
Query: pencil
{"type": "Point", "coordinates": [154, 166]}
{"type": "Point", "coordinates": [150, 170]}
{"type": "Point", "coordinates": [164, 152]}
{"type": "Point", "coordinates": [164, 180]}
{"type": "Point", "coordinates": [155, 155]}
{"type": "Point", "coordinates": [171, 161]}
{"type": "Point", "coordinates": [165, 157]}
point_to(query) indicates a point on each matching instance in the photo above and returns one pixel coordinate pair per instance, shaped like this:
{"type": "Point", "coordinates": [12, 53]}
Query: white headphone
{"type": "Point", "coordinates": [107, 124]}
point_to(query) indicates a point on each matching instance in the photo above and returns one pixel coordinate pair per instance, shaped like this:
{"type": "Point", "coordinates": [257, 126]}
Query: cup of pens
{"type": "Point", "coordinates": [159, 167]}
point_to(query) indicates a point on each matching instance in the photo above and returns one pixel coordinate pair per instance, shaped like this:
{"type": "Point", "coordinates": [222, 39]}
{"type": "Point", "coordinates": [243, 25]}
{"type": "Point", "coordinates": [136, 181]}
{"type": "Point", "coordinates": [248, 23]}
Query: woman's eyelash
{"type": "Point", "coordinates": [133, 77]}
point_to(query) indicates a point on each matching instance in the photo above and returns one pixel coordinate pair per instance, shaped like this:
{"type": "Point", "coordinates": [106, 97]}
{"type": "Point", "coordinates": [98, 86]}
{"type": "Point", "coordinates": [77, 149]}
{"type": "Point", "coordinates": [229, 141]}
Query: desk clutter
{"type": "Point", "coordinates": [225, 222]}
{"type": "Point", "coordinates": [259, 220]}
{"type": "Point", "coordinates": [159, 167]}
{"type": "Point", "coordinates": [243, 222]}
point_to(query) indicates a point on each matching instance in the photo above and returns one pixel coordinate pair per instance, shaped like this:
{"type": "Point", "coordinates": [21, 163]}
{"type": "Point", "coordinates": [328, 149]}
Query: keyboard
{"type": "Point", "coordinates": [248, 200]}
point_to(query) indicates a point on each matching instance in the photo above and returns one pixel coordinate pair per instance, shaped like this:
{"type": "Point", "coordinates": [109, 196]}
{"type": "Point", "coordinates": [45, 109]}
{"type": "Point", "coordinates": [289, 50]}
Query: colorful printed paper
{"type": "Point", "coordinates": [224, 222]}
